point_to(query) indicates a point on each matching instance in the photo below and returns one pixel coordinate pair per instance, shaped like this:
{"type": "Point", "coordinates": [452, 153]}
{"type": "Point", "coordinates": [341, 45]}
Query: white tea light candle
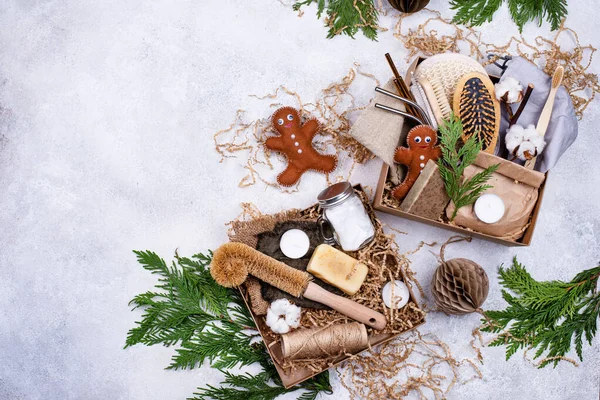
{"type": "Point", "coordinates": [294, 243]}
{"type": "Point", "coordinates": [489, 208]}
{"type": "Point", "coordinates": [401, 294]}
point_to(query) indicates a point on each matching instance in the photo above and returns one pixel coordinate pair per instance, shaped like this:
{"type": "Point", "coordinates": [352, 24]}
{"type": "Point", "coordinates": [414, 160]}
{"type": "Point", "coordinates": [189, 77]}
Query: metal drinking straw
{"type": "Point", "coordinates": [412, 103]}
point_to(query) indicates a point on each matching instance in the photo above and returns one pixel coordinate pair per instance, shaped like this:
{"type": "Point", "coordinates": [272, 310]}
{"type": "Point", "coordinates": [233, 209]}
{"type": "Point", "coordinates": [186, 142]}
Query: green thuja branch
{"type": "Point", "coordinates": [476, 12]}
{"type": "Point", "coordinates": [346, 16]}
{"type": "Point", "coordinates": [208, 323]}
{"type": "Point", "coordinates": [455, 159]}
{"type": "Point", "coordinates": [546, 316]}
{"type": "Point", "coordinates": [255, 387]}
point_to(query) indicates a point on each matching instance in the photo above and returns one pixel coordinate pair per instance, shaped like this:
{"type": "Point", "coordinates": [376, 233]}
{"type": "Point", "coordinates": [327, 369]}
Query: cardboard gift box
{"type": "Point", "coordinates": [379, 204]}
{"type": "Point", "coordinates": [242, 231]}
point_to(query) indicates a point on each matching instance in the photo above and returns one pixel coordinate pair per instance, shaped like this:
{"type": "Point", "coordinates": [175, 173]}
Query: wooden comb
{"type": "Point", "coordinates": [476, 105]}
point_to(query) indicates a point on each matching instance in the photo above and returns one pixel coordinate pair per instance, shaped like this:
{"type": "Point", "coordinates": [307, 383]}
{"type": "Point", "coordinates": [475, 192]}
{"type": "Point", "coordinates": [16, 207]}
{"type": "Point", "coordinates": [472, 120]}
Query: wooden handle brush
{"type": "Point", "coordinates": [544, 119]}
{"type": "Point", "coordinates": [232, 262]}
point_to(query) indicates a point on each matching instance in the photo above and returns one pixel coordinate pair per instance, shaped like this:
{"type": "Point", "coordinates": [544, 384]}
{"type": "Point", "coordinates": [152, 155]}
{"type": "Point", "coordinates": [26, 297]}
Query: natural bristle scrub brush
{"type": "Point", "coordinates": [232, 262]}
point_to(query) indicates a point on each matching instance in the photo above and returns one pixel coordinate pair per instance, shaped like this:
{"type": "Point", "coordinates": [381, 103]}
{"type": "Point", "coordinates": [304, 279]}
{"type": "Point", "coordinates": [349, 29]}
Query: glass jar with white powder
{"type": "Point", "coordinates": [345, 212]}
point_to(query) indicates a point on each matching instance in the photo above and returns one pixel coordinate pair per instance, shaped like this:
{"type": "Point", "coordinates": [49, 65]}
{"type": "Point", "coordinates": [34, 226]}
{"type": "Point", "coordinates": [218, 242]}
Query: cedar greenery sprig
{"type": "Point", "coordinates": [346, 16]}
{"type": "Point", "coordinates": [209, 323]}
{"type": "Point", "coordinates": [476, 12]}
{"type": "Point", "coordinates": [547, 316]}
{"type": "Point", "coordinates": [455, 159]}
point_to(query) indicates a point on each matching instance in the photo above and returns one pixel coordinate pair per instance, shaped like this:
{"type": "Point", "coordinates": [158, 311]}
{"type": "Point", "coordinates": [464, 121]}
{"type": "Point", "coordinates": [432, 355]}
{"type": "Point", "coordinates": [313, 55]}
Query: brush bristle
{"type": "Point", "coordinates": [227, 267]}
{"type": "Point", "coordinates": [440, 95]}
{"type": "Point", "coordinates": [232, 262]}
{"type": "Point", "coordinates": [557, 77]}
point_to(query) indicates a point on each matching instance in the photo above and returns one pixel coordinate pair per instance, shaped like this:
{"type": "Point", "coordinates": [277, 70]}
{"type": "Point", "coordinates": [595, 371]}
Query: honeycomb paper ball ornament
{"type": "Point", "coordinates": [459, 286]}
{"type": "Point", "coordinates": [409, 6]}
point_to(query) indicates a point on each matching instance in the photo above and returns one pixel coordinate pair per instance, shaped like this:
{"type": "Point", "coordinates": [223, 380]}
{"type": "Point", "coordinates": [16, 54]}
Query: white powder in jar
{"type": "Point", "coordinates": [351, 223]}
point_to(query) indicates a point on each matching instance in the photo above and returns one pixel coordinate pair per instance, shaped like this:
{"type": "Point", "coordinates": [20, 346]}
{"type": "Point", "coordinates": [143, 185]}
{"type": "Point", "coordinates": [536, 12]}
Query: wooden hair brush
{"type": "Point", "coordinates": [476, 105]}
{"type": "Point", "coordinates": [232, 262]}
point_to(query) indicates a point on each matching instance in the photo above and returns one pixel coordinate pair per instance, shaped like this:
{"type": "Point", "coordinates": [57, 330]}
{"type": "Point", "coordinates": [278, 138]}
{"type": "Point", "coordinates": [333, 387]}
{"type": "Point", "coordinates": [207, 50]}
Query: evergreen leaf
{"type": "Point", "coordinates": [477, 12]}
{"type": "Point", "coordinates": [455, 159]}
{"type": "Point", "coordinates": [346, 17]}
{"type": "Point", "coordinates": [208, 323]}
{"type": "Point", "coordinates": [547, 316]}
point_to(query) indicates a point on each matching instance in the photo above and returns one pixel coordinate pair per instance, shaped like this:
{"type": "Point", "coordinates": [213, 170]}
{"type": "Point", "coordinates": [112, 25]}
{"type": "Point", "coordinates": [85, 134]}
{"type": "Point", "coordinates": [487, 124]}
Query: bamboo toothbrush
{"type": "Point", "coordinates": [544, 119]}
{"type": "Point", "coordinates": [232, 262]}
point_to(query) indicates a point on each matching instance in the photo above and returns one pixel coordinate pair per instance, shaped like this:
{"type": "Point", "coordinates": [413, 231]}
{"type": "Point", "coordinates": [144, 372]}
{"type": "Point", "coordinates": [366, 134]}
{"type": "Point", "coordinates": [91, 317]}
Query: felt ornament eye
{"type": "Point", "coordinates": [280, 121]}
{"type": "Point", "coordinates": [290, 117]}
{"type": "Point", "coordinates": [418, 139]}
{"type": "Point", "coordinates": [427, 139]}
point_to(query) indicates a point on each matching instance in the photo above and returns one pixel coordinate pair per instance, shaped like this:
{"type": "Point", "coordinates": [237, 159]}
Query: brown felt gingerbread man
{"type": "Point", "coordinates": [421, 148]}
{"type": "Point", "coordinates": [295, 141]}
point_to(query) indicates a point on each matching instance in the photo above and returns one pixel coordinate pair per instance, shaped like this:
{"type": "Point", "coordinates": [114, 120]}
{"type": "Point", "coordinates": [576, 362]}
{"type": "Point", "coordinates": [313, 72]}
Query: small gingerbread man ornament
{"type": "Point", "coordinates": [421, 148]}
{"type": "Point", "coordinates": [295, 142]}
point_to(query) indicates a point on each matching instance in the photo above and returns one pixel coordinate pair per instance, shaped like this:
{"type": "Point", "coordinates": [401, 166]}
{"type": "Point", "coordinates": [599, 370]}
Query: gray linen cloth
{"type": "Point", "coordinates": [562, 130]}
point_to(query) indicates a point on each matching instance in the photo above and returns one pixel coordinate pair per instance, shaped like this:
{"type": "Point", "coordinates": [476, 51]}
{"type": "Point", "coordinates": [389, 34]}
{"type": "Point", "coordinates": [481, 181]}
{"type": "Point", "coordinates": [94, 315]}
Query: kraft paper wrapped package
{"type": "Point", "coordinates": [379, 130]}
{"type": "Point", "coordinates": [517, 186]}
{"type": "Point", "coordinates": [562, 129]}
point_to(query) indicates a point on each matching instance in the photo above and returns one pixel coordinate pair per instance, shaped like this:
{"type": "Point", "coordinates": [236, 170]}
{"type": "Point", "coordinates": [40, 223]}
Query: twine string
{"type": "Point", "coordinates": [324, 341]}
{"type": "Point", "coordinates": [453, 239]}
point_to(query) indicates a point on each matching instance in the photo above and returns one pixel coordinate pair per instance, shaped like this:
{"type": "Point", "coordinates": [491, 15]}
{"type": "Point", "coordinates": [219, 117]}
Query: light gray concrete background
{"type": "Point", "coordinates": [107, 111]}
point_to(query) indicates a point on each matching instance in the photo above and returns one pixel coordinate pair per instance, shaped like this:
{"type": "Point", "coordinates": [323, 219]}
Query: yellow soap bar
{"type": "Point", "coordinates": [337, 269]}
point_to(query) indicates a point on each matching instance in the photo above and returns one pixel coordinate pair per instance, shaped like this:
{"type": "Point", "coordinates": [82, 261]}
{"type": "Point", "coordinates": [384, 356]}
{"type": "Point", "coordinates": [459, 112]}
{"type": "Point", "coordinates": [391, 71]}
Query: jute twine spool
{"type": "Point", "coordinates": [323, 342]}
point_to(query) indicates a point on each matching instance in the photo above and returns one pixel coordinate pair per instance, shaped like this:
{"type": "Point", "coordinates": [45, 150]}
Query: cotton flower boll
{"type": "Point", "coordinates": [282, 316]}
{"type": "Point", "coordinates": [277, 324]}
{"type": "Point", "coordinates": [292, 316]}
{"type": "Point", "coordinates": [514, 137]}
{"type": "Point", "coordinates": [533, 136]}
{"type": "Point", "coordinates": [526, 151]}
{"type": "Point", "coordinates": [511, 88]}
{"type": "Point", "coordinates": [524, 143]}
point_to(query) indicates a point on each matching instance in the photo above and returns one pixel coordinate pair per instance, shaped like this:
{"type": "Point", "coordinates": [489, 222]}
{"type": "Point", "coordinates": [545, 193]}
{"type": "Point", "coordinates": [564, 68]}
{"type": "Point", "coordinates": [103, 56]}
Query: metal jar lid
{"type": "Point", "coordinates": [335, 194]}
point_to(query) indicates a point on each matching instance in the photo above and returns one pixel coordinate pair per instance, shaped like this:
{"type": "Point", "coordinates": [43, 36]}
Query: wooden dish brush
{"type": "Point", "coordinates": [232, 262]}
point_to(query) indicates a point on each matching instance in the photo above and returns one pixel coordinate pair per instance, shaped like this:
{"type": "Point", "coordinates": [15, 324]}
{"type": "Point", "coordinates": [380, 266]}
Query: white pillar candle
{"type": "Point", "coordinates": [489, 208]}
{"type": "Point", "coordinates": [294, 243]}
{"type": "Point", "coordinates": [401, 294]}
